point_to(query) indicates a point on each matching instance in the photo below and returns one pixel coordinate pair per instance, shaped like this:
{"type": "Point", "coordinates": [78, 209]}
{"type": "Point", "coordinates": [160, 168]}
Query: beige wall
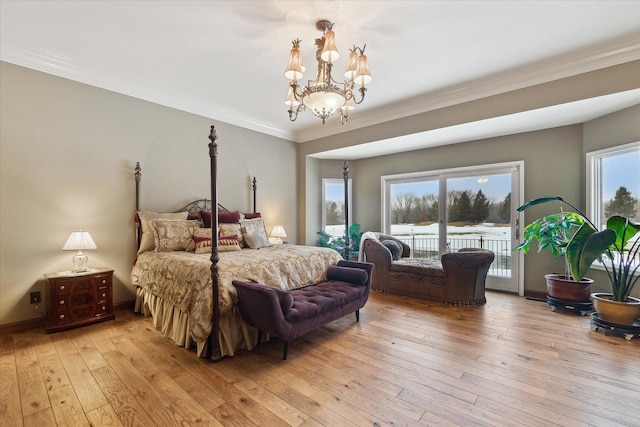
{"type": "Point", "coordinates": [554, 164]}
{"type": "Point", "coordinates": [554, 158]}
{"type": "Point", "coordinates": [67, 156]}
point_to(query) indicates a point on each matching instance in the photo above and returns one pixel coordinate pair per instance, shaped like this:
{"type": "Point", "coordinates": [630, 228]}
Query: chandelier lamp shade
{"type": "Point", "coordinates": [325, 96]}
{"type": "Point", "coordinates": [79, 241]}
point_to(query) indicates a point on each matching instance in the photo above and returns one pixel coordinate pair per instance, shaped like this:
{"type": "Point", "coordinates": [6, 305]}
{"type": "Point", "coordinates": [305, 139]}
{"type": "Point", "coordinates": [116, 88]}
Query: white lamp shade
{"type": "Point", "coordinates": [352, 65]}
{"type": "Point", "coordinates": [79, 240]}
{"type": "Point", "coordinates": [278, 231]}
{"type": "Point", "coordinates": [363, 75]}
{"type": "Point", "coordinates": [295, 66]}
{"type": "Point", "coordinates": [291, 101]}
{"type": "Point", "coordinates": [329, 50]}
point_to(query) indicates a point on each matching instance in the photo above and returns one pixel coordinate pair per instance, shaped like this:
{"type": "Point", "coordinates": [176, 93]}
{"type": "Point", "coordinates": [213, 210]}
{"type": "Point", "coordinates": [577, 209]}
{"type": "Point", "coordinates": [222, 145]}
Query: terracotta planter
{"type": "Point", "coordinates": [561, 288]}
{"type": "Point", "coordinates": [621, 313]}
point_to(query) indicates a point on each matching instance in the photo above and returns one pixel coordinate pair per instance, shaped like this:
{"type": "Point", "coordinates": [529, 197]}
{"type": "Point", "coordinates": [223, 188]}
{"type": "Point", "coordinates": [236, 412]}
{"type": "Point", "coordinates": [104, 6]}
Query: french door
{"type": "Point", "coordinates": [442, 211]}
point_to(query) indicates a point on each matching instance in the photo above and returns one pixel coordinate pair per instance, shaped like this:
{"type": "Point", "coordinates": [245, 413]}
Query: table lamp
{"type": "Point", "coordinates": [277, 234]}
{"type": "Point", "coordinates": [79, 241]}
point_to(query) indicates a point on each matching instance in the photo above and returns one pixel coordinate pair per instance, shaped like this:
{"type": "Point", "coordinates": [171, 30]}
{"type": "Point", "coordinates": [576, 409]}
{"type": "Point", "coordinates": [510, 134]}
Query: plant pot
{"type": "Point", "coordinates": [621, 313]}
{"type": "Point", "coordinates": [561, 288]}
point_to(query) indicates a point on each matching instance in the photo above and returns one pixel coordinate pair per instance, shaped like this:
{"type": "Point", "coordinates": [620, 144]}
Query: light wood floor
{"type": "Point", "coordinates": [511, 362]}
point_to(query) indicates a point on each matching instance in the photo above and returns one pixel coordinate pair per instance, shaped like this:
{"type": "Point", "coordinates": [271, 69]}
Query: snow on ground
{"type": "Point", "coordinates": [470, 232]}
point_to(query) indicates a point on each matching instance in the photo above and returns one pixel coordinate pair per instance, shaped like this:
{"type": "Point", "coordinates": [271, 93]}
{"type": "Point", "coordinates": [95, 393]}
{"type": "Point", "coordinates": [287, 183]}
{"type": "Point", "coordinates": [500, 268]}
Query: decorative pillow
{"type": "Point", "coordinates": [228, 217]}
{"type": "Point", "coordinates": [205, 216]}
{"type": "Point", "coordinates": [147, 241]}
{"type": "Point", "coordinates": [223, 218]}
{"type": "Point", "coordinates": [347, 274]}
{"type": "Point", "coordinates": [228, 243]}
{"type": "Point", "coordinates": [226, 229]}
{"type": "Point", "coordinates": [252, 215]}
{"type": "Point", "coordinates": [253, 241]}
{"type": "Point", "coordinates": [173, 234]}
{"type": "Point", "coordinates": [394, 247]}
{"type": "Point", "coordinates": [255, 228]}
{"type": "Point", "coordinates": [202, 240]}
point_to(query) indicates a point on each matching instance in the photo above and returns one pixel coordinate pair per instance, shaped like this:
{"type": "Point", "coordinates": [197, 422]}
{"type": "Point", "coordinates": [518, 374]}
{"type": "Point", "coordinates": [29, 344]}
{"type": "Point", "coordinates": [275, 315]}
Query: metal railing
{"type": "Point", "coordinates": [427, 248]}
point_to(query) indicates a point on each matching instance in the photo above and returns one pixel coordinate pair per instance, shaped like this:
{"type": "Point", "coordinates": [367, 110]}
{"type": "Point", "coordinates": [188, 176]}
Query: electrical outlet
{"type": "Point", "coordinates": [35, 297]}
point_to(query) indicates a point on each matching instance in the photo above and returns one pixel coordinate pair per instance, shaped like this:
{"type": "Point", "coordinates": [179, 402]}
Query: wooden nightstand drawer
{"type": "Point", "coordinates": [79, 299]}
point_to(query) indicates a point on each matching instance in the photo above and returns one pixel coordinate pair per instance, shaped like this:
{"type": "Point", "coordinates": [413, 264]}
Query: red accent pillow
{"type": "Point", "coordinates": [223, 218]}
{"type": "Point", "coordinates": [252, 215]}
{"type": "Point", "coordinates": [229, 217]}
{"type": "Point", "coordinates": [205, 216]}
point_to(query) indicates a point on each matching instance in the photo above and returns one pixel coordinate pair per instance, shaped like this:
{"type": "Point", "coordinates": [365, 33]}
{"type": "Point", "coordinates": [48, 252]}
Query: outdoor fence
{"type": "Point", "coordinates": [427, 248]}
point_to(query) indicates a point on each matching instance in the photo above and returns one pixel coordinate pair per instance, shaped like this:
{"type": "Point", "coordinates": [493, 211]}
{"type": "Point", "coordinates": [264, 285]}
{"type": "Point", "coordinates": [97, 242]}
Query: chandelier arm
{"type": "Point", "coordinates": [293, 114]}
{"type": "Point", "coordinates": [362, 91]}
{"type": "Point", "coordinates": [297, 95]}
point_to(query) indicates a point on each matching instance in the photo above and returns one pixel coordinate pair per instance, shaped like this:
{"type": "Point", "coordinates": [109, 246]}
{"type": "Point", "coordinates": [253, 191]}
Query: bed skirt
{"type": "Point", "coordinates": [234, 333]}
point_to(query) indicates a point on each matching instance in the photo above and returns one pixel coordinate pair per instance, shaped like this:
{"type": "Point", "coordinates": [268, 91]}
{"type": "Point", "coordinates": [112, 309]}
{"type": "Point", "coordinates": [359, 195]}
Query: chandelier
{"type": "Point", "coordinates": [325, 96]}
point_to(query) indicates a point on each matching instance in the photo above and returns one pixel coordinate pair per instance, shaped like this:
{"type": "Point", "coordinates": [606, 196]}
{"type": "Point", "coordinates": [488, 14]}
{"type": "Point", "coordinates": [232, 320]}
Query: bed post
{"type": "Point", "coordinates": [138, 177]}
{"type": "Point", "coordinates": [254, 185]}
{"type": "Point", "coordinates": [213, 351]}
{"type": "Point", "coordinates": [345, 175]}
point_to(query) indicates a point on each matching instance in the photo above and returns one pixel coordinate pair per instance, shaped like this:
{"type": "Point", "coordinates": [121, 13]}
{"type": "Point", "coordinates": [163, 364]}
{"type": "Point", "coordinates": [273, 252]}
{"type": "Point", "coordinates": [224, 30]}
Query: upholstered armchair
{"type": "Point", "coordinates": [458, 279]}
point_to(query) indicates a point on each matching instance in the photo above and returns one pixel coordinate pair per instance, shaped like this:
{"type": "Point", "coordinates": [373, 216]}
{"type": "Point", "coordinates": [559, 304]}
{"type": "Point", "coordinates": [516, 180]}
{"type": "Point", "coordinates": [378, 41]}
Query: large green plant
{"type": "Point", "coordinates": [338, 243]}
{"type": "Point", "coordinates": [612, 246]}
{"type": "Point", "coordinates": [553, 233]}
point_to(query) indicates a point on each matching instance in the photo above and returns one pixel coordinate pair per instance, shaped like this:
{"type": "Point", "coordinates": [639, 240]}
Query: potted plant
{"type": "Point", "coordinates": [553, 232]}
{"type": "Point", "coordinates": [618, 253]}
{"type": "Point", "coordinates": [327, 241]}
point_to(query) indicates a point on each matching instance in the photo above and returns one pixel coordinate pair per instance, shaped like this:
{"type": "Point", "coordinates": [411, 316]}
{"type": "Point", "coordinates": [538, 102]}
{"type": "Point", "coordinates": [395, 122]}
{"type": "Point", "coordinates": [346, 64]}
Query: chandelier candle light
{"type": "Point", "coordinates": [324, 95]}
{"type": "Point", "coordinates": [79, 241]}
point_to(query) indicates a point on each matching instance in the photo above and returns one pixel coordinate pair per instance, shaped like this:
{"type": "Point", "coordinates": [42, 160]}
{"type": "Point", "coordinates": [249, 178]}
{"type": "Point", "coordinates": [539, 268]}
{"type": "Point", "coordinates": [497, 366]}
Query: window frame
{"type": "Point", "coordinates": [594, 177]}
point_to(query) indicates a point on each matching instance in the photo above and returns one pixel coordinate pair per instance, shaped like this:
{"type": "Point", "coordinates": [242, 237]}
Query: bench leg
{"type": "Point", "coordinates": [285, 350]}
{"type": "Point", "coordinates": [357, 315]}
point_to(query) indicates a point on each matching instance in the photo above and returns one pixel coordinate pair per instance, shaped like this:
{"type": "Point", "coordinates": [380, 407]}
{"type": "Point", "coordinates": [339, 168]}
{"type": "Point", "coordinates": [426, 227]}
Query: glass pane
{"type": "Point", "coordinates": [621, 186]}
{"type": "Point", "coordinates": [479, 216]}
{"type": "Point", "coordinates": [334, 207]}
{"type": "Point", "coordinates": [414, 216]}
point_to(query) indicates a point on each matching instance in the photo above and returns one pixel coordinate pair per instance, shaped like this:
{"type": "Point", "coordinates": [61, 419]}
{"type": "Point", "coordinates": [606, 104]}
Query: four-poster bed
{"type": "Point", "coordinates": [190, 295]}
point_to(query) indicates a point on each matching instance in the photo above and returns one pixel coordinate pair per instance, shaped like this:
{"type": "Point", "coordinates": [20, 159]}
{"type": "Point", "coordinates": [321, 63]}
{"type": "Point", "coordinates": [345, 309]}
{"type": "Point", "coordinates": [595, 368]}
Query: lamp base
{"type": "Point", "coordinates": [80, 261]}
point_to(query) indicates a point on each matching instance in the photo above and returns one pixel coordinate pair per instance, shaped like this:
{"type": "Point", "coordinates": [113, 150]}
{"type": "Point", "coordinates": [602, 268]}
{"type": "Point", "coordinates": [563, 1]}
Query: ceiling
{"type": "Point", "coordinates": [226, 59]}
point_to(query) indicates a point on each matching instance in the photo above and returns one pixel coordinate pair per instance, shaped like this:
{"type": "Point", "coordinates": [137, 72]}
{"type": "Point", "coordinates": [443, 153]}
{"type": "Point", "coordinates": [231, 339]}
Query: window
{"type": "Point", "coordinates": [445, 210]}
{"type": "Point", "coordinates": [333, 206]}
{"type": "Point", "coordinates": [613, 183]}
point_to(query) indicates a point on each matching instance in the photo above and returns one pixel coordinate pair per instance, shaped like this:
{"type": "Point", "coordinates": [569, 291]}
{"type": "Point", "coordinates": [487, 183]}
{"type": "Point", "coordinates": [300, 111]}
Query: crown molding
{"type": "Point", "coordinates": [601, 56]}
{"type": "Point", "coordinates": [598, 57]}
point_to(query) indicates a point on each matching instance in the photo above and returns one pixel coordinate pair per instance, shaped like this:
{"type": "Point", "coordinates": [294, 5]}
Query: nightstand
{"type": "Point", "coordinates": [77, 299]}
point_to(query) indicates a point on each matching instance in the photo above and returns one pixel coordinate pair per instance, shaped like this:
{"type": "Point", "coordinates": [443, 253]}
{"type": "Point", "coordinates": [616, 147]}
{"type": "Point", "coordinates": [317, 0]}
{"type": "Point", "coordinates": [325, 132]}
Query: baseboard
{"type": "Point", "coordinates": [535, 295]}
{"type": "Point", "coordinates": [12, 328]}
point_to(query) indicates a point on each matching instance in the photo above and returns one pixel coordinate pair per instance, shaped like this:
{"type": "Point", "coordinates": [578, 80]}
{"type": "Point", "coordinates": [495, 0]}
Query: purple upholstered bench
{"type": "Point", "coordinates": [290, 314]}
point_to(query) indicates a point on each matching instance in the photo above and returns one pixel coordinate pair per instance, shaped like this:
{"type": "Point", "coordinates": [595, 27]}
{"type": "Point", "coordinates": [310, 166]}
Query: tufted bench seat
{"type": "Point", "coordinates": [290, 314]}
